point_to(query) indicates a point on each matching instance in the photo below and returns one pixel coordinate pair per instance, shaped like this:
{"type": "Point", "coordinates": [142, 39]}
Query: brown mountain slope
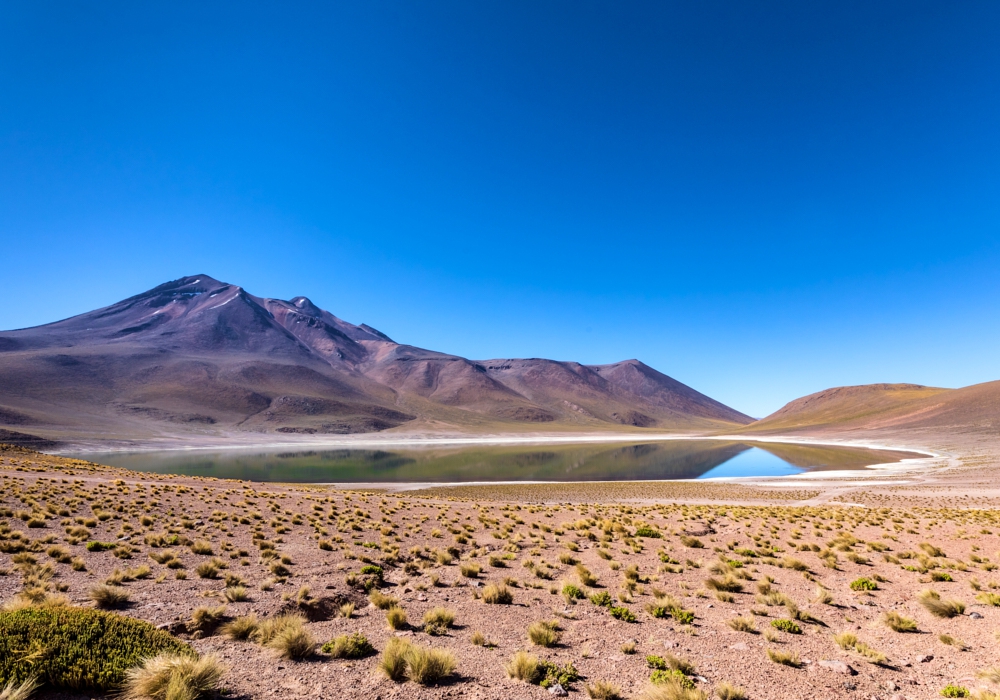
{"type": "Point", "coordinates": [887, 407]}
{"type": "Point", "coordinates": [197, 354]}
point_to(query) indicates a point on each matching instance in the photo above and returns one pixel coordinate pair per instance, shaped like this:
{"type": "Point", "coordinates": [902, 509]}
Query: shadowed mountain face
{"type": "Point", "coordinates": [201, 355]}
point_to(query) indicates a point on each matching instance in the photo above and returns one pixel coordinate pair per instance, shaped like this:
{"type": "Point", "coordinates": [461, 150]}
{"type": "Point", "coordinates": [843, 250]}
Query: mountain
{"type": "Point", "coordinates": [201, 356]}
{"type": "Point", "coordinates": [887, 407]}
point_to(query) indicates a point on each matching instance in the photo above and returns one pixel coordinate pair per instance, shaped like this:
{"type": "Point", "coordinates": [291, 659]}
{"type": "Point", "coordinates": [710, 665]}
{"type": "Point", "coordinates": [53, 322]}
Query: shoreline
{"type": "Point", "coordinates": [925, 463]}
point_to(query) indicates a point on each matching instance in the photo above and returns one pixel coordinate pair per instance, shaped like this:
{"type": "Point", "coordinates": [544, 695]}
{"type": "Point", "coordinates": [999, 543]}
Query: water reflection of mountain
{"type": "Point", "coordinates": [823, 457]}
{"type": "Point", "coordinates": [676, 459]}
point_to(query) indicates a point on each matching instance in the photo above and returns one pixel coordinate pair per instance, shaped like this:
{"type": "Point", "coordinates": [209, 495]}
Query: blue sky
{"type": "Point", "coordinates": [760, 199]}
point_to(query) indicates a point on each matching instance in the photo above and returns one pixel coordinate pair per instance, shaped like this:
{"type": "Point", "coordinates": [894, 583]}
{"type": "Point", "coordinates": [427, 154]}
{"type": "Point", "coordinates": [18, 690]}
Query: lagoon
{"type": "Point", "coordinates": [659, 460]}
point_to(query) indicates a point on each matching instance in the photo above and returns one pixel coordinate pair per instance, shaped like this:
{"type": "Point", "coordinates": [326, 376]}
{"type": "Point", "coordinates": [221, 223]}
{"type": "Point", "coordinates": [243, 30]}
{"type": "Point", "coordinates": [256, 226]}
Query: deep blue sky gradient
{"type": "Point", "coordinates": [760, 199]}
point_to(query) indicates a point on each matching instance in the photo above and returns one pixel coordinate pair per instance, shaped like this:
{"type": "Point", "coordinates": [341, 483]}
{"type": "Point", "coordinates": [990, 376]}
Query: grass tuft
{"type": "Point", "coordinates": [173, 677]}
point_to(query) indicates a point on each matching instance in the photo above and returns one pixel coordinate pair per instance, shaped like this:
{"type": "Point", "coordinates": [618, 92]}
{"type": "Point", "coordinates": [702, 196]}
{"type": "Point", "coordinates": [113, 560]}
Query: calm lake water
{"type": "Point", "coordinates": [674, 459]}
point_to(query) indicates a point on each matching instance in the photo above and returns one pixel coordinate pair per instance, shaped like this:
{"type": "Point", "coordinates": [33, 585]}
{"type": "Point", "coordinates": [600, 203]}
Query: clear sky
{"type": "Point", "coordinates": [761, 199]}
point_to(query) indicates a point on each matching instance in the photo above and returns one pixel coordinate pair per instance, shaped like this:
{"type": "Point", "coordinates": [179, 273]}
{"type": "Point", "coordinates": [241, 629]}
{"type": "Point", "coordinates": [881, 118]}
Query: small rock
{"type": "Point", "coordinates": [891, 686]}
{"type": "Point", "coordinates": [670, 645]}
{"type": "Point", "coordinates": [975, 616]}
{"type": "Point", "coordinates": [837, 666]}
{"type": "Point", "coordinates": [710, 605]}
{"type": "Point", "coordinates": [740, 646]}
{"type": "Point", "coordinates": [558, 691]}
{"type": "Point", "coordinates": [850, 685]}
{"type": "Point", "coordinates": [925, 658]}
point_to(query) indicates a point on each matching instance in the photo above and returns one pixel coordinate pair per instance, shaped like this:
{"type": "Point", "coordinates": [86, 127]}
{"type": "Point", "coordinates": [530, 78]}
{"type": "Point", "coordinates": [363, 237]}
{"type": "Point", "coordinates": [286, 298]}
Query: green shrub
{"type": "Point", "coordinates": [602, 599]}
{"type": "Point", "coordinates": [954, 691]}
{"type": "Point", "coordinates": [863, 584]}
{"type": "Point", "coordinates": [622, 613]}
{"type": "Point", "coordinates": [572, 592]}
{"type": "Point", "coordinates": [669, 676]}
{"type": "Point", "coordinates": [647, 531]}
{"type": "Point", "coordinates": [349, 646]}
{"type": "Point", "coordinates": [552, 674]}
{"type": "Point", "coordinates": [84, 649]}
{"type": "Point", "coordinates": [786, 626]}
{"type": "Point", "coordinates": [95, 546]}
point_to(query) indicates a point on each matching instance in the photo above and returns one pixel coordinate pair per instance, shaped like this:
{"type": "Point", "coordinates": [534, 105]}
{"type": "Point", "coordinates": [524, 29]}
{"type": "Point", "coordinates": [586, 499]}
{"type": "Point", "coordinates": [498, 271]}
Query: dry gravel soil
{"type": "Point", "coordinates": [779, 560]}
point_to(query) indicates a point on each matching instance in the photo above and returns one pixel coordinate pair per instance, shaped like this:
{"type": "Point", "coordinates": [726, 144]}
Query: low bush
{"type": "Point", "coordinates": [84, 649]}
{"type": "Point", "coordinates": [602, 599]}
{"type": "Point", "coordinates": [622, 613]}
{"type": "Point", "coordinates": [863, 584]}
{"type": "Point", "coordinates": [671, 677]}
{"type": "Point", "coordinates": [571, 592]}
{"type": "Point", "coordinates": [349, 646]}
{"type": "Point", "coordinates": [786, 626]}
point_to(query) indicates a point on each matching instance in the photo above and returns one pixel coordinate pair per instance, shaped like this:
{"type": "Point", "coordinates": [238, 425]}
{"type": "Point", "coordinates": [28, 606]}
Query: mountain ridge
{"type": "Point", "coordinates": [198, 354]}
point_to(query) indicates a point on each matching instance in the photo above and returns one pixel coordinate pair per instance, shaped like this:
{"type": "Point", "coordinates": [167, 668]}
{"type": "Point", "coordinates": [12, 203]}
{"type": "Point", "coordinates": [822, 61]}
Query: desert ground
{"type": "Point", "coordinates": [881, 584]}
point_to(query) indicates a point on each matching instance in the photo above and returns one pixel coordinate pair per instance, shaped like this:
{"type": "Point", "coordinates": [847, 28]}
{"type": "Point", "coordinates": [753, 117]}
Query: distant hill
{"type": "Point", "coordinates": [887, 407]}
{"type": "Point", "coordinates": [199, 355]}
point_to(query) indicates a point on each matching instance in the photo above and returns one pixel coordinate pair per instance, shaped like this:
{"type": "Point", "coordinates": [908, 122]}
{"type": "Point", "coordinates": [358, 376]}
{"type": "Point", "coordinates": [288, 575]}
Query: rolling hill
{"type": "Point", "coordinates": [882, 408]}
{"type": "Point", "coordinates": [197, 355]}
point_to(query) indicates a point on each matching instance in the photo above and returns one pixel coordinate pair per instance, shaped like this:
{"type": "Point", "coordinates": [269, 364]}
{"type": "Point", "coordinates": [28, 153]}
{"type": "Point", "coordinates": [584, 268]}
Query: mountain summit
{"type": "Point", "coordinates": [200, 354]}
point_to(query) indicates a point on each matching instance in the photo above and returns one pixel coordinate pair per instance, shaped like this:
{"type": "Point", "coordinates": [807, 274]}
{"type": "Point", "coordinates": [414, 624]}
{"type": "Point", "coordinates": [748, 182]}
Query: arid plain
{"type": "Point", "coordinates": [879, 584]}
